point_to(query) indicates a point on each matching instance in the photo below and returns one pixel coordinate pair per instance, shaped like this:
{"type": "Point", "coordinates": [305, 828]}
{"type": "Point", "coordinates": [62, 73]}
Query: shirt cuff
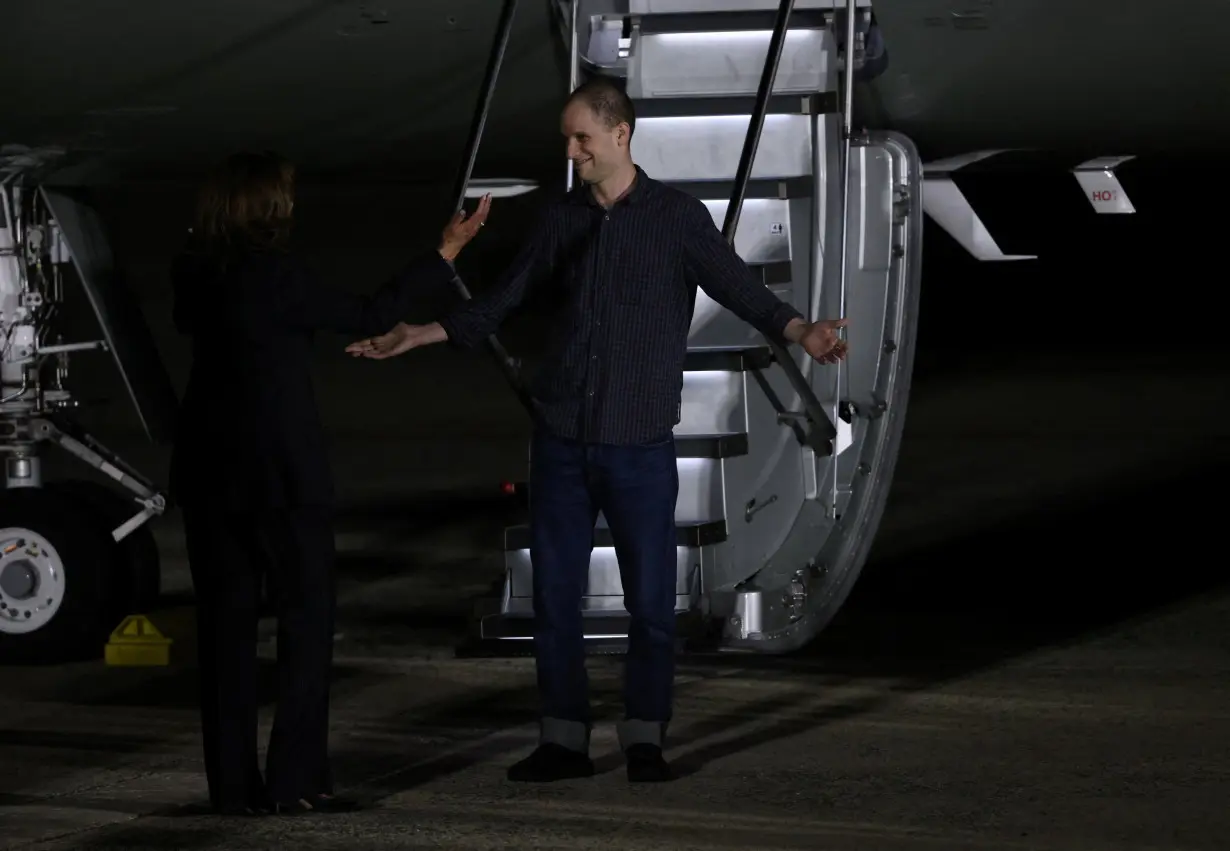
{"type": "Point", "coordinates": [455, 331]}
{"type": "Point", "coordinates": [782, 316]}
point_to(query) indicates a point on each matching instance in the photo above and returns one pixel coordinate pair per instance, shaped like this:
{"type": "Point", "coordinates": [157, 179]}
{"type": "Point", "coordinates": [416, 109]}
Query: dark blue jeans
{"type": "Point", "coordinates": [635, 487]}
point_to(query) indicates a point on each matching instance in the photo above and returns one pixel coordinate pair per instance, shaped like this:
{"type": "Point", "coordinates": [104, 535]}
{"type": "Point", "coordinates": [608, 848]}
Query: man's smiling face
{"type": "Point", "coordinates": [597, 150]}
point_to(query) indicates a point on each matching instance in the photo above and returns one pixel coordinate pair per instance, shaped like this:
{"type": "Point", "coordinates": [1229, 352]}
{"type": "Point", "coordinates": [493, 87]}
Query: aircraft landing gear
{"type": "Point", "coordinates": [55, 564]}
{"type": "Point", "coordinates": [77, 556]}
{"type": "Point", "coordinates": [65, 581]}
{"type": "Point", "coordinates": [137, 570]}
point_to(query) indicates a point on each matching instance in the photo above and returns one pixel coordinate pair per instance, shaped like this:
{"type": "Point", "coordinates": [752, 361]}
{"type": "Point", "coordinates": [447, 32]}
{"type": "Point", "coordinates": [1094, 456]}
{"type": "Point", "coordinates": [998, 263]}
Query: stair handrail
{"type": "Point", "coordinates": [508, 365]}
{"type": "Point", "coordinates": [847, 129]}
{"type": "Point", "coordinates": [822, 432]}
{"type": "Point", "coordinates": [574, 71]}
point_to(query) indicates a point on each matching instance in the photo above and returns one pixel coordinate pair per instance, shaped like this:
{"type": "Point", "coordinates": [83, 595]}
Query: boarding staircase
{"type": "Point", "coordinates": [784, 465]}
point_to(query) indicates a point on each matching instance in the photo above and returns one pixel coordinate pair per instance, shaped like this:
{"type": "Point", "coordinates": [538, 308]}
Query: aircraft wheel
{"type": "Point", "coordinates": [138, 572]}
{"type": "Point", "coordinates": [56, 560]}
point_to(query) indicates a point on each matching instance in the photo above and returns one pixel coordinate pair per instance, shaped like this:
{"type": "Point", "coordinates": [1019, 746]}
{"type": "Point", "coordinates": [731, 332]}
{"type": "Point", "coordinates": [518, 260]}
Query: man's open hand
{"type": "Point", "coordinates": [819, 339]}
{"type": "Point", "coordinates": [401, 338]}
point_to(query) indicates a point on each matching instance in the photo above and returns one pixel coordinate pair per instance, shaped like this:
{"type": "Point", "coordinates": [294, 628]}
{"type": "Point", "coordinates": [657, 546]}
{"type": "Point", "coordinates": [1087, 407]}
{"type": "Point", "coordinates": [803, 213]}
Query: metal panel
{"type": "Point", "coordinates": [1102, 188]}
{"type": "Point", "coordinates": [714, 325]}
{"type": "Point", "coordinates": [605, 590]}
{"type": "Point", "coordinates": [763, 235]}
{"type": "Point", "coordinates": [712, 403]}
{"type": "Point", "coordinates": [675, 7]}
{"type": "Point", "coordinates": [669, 65]}
{"type": "Point", "coordinates": [871, 201]}
{"type": "Point", "coordinates": [708, 147]}
{"type": "Point", "coordinates": [119, 316]}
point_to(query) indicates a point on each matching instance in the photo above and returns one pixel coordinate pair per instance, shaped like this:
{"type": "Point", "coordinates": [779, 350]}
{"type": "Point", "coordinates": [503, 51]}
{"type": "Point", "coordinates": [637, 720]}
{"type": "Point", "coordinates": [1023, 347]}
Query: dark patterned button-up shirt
{"type": "Point", "coordinates": [628, 275]}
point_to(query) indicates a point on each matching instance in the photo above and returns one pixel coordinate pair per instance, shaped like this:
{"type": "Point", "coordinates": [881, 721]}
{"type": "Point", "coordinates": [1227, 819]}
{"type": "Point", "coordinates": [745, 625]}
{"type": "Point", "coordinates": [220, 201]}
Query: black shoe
{"type": "Point", "coordinates": [317, 804]}
{"type": "Point", "coordinates": [647, 765]}
{"type": "Point", "coordinates": [550, 762]}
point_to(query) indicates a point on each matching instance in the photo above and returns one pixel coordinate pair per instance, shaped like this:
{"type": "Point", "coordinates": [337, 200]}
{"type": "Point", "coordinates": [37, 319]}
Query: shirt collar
{"type": "Point", "coordinates": [642, 187]}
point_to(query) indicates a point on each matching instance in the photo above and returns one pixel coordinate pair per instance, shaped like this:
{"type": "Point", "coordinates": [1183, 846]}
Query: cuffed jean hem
{"type": "Point", "coordinates": [573, 735]}
{"type": "Point", "coordinates": [634, 732]}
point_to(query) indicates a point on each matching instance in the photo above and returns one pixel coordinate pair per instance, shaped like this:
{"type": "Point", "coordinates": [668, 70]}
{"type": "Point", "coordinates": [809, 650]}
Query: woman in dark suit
{"type": "Point", "coordinates": [250, 471]}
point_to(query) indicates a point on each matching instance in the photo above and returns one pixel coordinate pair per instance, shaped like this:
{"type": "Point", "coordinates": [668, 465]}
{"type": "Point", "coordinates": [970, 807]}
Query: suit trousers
{"type": "Point", "coordinates": [229, 553]}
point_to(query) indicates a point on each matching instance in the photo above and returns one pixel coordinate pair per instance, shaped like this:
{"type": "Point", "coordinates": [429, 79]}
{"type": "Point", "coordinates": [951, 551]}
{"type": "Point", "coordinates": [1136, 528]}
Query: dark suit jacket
{"type": "Point", "coordinates": [249, 434]}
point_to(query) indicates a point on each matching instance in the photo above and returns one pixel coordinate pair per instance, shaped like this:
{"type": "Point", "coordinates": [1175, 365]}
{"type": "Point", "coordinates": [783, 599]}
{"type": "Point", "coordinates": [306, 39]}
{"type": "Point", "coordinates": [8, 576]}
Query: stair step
{"type": "Point", "coordinates": [763, 234]}
{"type": "Point", "coordinates": [698, 21]}
{"type": "Point", "coordinates": [721, 190]}
{"type": "Point", "coordinates": [773, 274]}
{"type": "Point", "coordinates": [701, 454]}
{"type": "Point", "coordinates": [678, 148]}
{"type": "Point", "coordinates": [710, 445]}
{"type": "Point", "coordinates": [817, 103]}
{"type": "Point", "coordinates": [710, 7]}
{"type": "Point", "coordinates": [596, 627]}
{"type": "Point", "coordinates": [713, 326]}
{"type": "Point", "coordinates": [743, 359]}
{"type": "Point", "coordinates": [726, 64]}
{"type": "Point", "coordinates": [605, 634]}
{"type": "Point", "coordinates": [702, 534]}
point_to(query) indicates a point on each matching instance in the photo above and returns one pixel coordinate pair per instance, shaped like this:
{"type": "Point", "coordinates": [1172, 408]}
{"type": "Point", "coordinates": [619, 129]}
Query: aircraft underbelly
{"type": "Point", "coordinates": [1111, 75]}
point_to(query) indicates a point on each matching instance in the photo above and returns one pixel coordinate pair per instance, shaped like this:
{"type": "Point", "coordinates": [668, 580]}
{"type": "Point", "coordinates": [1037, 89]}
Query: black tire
{"type": "Point", "coordinates": [80, 626]}
{"type": "Point", "coordinates": [138, 576]}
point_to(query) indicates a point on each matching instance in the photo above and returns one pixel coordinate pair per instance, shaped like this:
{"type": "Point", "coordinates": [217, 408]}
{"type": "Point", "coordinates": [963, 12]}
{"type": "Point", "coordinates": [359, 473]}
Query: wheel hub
{"type": "Point", "coordinates": [19, 580]}
{"type": "Point", "coordinates": [31, 581]}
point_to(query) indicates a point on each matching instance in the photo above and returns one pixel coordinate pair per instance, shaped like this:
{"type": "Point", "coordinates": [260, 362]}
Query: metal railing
{"type": "Point", "coordinates": [847, 121]}
{"type": "Point", "coordinates": [821, 432]}
{"type": "Point", "coordinates": [574, 70]}
{"type": "Point", "coordinates": [508, 364]}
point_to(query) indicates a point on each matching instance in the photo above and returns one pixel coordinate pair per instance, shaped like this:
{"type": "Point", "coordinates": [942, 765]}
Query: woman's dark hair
{"type": "Point", "coordinates": [245, 203]}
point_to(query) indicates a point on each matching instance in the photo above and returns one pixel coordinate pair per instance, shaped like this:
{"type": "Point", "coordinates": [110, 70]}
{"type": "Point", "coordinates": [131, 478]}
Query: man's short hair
{"type": "Point", "coordinates": [608, 101]}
